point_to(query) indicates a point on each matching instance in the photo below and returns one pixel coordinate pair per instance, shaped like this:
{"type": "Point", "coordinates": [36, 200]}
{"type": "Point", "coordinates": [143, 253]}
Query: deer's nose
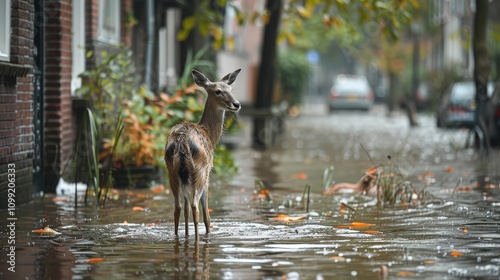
{"type": "Point", "coordinates": [236, 104]}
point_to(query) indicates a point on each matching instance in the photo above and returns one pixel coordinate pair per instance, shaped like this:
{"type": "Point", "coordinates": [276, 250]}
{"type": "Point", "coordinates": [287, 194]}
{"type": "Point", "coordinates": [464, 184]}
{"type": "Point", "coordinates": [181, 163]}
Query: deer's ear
{"type": "Point", "coordinates": [229, 78]}
{"type": "Point", "coordinates": [200, 79]}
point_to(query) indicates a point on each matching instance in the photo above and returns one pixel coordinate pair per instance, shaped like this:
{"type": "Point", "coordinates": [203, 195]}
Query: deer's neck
{"type": "Point", "coordinates": [212, 121]}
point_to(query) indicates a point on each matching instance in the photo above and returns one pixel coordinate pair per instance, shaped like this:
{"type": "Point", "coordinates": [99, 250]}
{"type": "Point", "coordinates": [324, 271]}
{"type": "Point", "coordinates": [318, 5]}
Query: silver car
{"type": "Point", "coordinates": [350, 92]}
{"type": "Point", "coordinates": [457, 105]}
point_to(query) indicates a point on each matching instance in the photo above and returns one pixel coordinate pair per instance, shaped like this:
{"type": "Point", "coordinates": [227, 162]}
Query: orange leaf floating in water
{"type": "Point", "coordinates": [405, 274]}
{"type": "Point", "coordinates": [287, 218]}
{"type": "Point", "coordinates": [46, 230]}
{"type": "Point", "coordinates": [210, 210]}
{"type": "Point", "coordinates": [464, 189]}
{"type": "Point", "coordinates": [355, 225]}
{"type": "Point", "coordinates": [456, 253]}
{"type": "Point", "coordinates": [95, 260]}
{"type": "Point", "coordinates": [158, 189]}
{"type": "Point", "coordinates": [301, 176]}
{"type": "Point", "coordinates": [372, 232]}
{"type": "Point", "coordinates": [492, 186]}
{"type": "Point", "coordinates": [449, 169]}
{"type": "Point", "coordinates": [428, 261]}
{"type": "Point", "coordinates": [464, 229]}
{"type": "Point", "coordinates": [138, 209]}
{"type": "Point", "coordinates": [125, 222]}
{"type": "Point", "coordinates": [359, 224]}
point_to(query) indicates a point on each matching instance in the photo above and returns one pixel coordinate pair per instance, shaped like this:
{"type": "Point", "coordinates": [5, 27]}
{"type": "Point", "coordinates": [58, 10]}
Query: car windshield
{"type": "Point", "coordinates": [467, 90]}
{"type": "Point", "coordinates": [351, 85]}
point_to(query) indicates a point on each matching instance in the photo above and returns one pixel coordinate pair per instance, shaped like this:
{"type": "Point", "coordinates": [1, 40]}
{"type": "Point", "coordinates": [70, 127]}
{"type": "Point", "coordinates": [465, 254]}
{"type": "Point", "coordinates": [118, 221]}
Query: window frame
{"type": "Point", "coordinates": [104, 35]}
{"type": "Point", "coordinates": [5, 29]}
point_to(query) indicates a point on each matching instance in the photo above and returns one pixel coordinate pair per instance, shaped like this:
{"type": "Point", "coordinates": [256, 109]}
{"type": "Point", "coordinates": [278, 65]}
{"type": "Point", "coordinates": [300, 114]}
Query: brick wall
{"type": "Point", "coordinates": [58, 138]}
{"type": "Point", "coordinates": [16, 109]}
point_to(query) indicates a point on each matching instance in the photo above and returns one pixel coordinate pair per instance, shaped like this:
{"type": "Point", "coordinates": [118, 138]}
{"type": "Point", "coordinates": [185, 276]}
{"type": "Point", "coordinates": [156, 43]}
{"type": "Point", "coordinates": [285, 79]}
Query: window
{"type": "Point", "coordinates": [109, 21]}
{"type": "Point", "coordinates": [5, 30]}
{"type": "Point", "coordinates": [78, 44]}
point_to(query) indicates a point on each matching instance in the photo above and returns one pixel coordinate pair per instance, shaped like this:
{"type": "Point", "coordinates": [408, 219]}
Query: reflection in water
{"type": "Point", "coordinates": [188, 263]}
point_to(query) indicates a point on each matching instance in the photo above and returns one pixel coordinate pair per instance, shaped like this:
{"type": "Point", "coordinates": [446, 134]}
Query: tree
{"type": "Point", "coordinates": [481, 72]}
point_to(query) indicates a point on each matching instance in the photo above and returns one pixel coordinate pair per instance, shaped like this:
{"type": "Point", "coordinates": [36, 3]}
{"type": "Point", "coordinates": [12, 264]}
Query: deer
{"type": "Point", "coordinates": [189, 150]}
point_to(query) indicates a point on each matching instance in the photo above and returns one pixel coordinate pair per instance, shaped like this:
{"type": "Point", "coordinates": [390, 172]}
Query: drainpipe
{"type": "Point", "coordinates": [150, 15]}
{"type": "Point", "coordinates": [171, 73]}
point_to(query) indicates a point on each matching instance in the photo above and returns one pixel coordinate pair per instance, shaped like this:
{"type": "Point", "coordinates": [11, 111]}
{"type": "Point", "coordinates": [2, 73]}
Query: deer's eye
{"type": "Point", "coordinates": [218, 92]}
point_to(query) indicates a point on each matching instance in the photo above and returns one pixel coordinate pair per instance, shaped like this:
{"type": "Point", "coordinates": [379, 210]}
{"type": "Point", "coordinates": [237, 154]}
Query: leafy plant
{"type": "Point", "coordinates": [111, 79]}
{"type": "Point", "coordinates": [294, 72]}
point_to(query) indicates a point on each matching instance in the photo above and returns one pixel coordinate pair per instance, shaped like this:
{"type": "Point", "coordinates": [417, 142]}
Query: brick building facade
{"type": "Point", "coordinates": [52, 22]}
{"type": "Point", "coordinates": [16, 95]}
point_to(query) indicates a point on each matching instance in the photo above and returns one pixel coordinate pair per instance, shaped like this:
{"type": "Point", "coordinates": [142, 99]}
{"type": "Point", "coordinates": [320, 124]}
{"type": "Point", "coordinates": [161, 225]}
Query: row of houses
{"type": "Point", "coordinates": [43, 45]}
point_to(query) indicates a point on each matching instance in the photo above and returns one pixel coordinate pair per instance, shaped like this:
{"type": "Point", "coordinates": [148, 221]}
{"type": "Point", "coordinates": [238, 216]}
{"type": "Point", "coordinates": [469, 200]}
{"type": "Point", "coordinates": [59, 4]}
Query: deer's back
{"type": "Point", "coordinates": [188, 152]}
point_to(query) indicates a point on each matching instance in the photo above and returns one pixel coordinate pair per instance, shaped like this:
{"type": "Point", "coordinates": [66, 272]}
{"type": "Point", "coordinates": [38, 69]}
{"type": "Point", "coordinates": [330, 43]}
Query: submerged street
{"type": "Point", "coordinates": [454, 233]}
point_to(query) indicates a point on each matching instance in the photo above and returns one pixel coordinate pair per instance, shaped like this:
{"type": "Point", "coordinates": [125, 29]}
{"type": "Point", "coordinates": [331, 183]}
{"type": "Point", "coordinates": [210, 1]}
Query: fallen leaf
{"type": "Point", "coordinates": [464, 229]}
{"type": "Point", "coordinates": [301, 176]}
{"type": "Point", "coordinates": [91, 260]}
{"type": "Point", "coordinates": [492, 186]}
{"type": "Point", "coordinates": [46, 230]}
{"type": "Point", "coordinates": [210, 210]}
{"type": "Point", "coordinates": [125, 222]}
{"type": "Point", "coordinates": [449, 169]}
{"type": "Point", "coordinates": [141, 195]}
{"type": "Point", "coordinates": [158, 189]}
{"type": "Point", "coordinates": [138, 209]}
{"type": "Point", "coordinates": [287, 218]}
{"type": "Point", "coordinates": [355, 225]}
{"type": "Point", "coordinates": [428, 261]}
{"type": "Point", "coordinates": [372, 232]}
{"type": "Point", "coordinates": [405, 274]}
{"type": "Point", "coordinates": [337, 258]}
{"type": "Point", "coordinates": [456, 253]}
{"type": "Point", "coordinates": [95, 260]}
{"type": "Point", "coordinates": [360, 224]}
{"type": "Point", "coordinates": [342, 211]}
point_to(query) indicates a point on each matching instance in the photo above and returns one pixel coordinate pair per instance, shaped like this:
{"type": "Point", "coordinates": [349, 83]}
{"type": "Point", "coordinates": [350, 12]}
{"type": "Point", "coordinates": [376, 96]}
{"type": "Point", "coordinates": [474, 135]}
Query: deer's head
{"type": "Point", "coordinates": [219, 92]}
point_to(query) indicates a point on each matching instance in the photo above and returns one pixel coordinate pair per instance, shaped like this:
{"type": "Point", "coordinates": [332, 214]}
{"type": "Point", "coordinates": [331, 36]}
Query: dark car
{"type": "Point", "coordinates": [457, 105]}
{"type": "Point", "coordinates": [350, 92]}
{"type": "Point", "coordinates": [494, 116]}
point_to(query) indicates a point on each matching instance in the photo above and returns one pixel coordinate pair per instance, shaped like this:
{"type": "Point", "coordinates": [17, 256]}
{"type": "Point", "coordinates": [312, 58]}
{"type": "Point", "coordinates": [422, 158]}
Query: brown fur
{"type": "Point", "coordinates": [189, 150]}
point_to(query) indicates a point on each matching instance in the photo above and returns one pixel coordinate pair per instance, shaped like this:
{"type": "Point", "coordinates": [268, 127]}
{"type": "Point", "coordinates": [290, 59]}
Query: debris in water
{"type": "Point", "coordinates": [46, 230]}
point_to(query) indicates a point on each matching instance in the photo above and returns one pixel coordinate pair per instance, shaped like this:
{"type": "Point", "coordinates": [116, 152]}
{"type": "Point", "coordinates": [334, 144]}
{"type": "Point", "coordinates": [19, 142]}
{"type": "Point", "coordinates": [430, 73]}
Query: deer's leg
{"type": "Point", "coordinates": [198, 193]}
{"type": "Point", "coordinates": [177, 205]}
{"type": "Point", "coordinates": [204, 207]}
{"type": "Point", "coordinates": [186, 216]}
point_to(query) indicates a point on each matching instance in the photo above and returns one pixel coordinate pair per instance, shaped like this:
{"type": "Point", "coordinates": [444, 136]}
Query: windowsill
{"type": "Point", "coordinates": [14, 70]}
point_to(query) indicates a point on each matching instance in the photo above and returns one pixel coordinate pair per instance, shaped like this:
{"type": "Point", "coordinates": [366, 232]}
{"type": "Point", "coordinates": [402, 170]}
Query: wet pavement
{"type": "Point", "coordinates": [455, 234]}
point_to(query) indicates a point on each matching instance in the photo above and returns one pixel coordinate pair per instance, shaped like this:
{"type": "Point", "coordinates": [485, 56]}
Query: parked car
{"type": "Point", "coordinates": [457, 105]}
{"type": "Point", "coordinates": [350, 92]}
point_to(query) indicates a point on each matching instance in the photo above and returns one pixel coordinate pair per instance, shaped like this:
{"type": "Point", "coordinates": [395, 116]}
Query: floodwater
{"type": "Point", "coordinates": [453, 234]}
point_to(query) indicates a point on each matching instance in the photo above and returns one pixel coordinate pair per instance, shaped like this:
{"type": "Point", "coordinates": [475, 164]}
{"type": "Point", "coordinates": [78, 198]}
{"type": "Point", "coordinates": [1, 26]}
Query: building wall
{"type": "Point", "coordinates": [58, 138]}
{"type": "Point", "coordinates": [16, 109]}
